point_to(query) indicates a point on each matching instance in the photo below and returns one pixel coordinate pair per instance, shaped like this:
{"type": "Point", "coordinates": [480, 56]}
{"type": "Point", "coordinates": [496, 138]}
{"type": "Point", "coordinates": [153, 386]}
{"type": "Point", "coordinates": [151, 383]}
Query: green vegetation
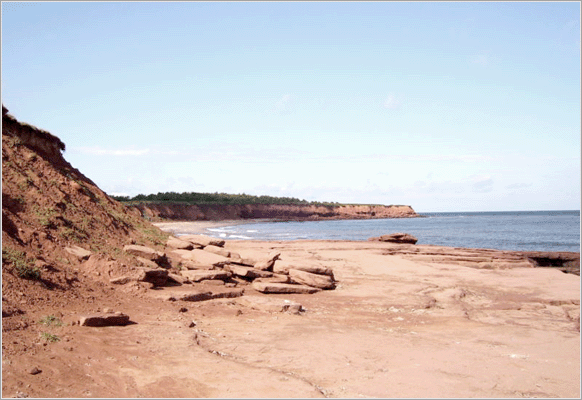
{"type": "Point", "coordinates": [22, 266]}
{"type": "Point", "coordinates": [194, 198]}
{"type": "Point", "coordinates": [49, 337]}
{"type": "Point", "coordinates": [51, 320]}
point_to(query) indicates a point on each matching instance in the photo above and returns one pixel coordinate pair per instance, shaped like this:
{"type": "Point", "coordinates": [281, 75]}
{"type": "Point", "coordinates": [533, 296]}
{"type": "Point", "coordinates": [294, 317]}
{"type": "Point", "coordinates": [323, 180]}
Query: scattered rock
{"type": "Point", "coordinates": [147, 263]}
{"type": "Point", "coordinates": [268, 287]}
{"type": "Point", "coordinates": [247, 272]}
{"type": "Point", "coordinates": [267, 263]}
{"type": "Point", "coordinates": [283, 267]}
{"type": "Point", "coordinates": [34, 371]}
{"type": "Point", "coordinates": [98, 320]}
{"type": "Point", "coordinates": [121, 280]}
{"type": "Point", "coordinates": [276, 278]}
{"type": "Point", "coordinates": [79, 252]}
{"type": "Point", "coordinates": [217, 250]}
{"type": "Point", "coordinates": [270, 304]}
{"type": "Point", "coordinates": [309, 279]}
{"type": "Point", "coordinates": [205, 259]}
{"type": "Point", "coordinates": [203, 240]}
{"type": "Point", "coordinates": [146, 252]}
{"type": "Point", "coordinates": [200, 275]}
{"type": "Point", "coordinates": [396, 238]}
{"type": "Point", "coordinates": [179, 244]}
{"type": "Point", "coordinates": [178, 278]}
{"type": "Point", "coordinates": [157, 276]}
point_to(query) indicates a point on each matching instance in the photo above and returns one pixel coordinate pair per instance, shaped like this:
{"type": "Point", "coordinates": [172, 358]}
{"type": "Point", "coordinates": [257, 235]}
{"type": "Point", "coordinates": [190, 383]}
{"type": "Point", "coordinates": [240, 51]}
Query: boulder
{"type": "Point", "coordinates": [267, 263]}
{"type": "Point", "coordinates": [200, 275]}
{"type": "Point", "coordinates": [283, 267]}
{"type": "Point", "coordinates": [396, 238]}
{"type": "Point", "coordinates": [247, 272]}
{"type": "Point", "coordinates": [309, 279]}
{"type": "Point", "coordinates": [78, 252]}
{"type": "Point", "coordinates": [176, 243]}
{"type": "Point", "coordinates": [203, 240]}
{"type": "Point", "coordinates": [104, 319]}
{"type": "Point", "coordinates": [268, 287]}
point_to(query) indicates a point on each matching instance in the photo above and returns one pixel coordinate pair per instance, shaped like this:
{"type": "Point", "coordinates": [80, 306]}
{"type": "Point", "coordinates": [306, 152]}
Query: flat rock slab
{"type": "Point", "coordinates": [283, 267]}
{"type": "Point", "coordinates": [217, 250]}
{"type": "Point", "coordinates": [179, 244]}
{"type": "Point", "coordinates": [158, 276]}
{"type": "Point", "coordinates": [247, 272]}
{"type": "Point", "coordinates": [205, 258]}
{"type": "Point", "coordinates": [270, 304]}
{"type": "Point", "coordinates": [78, 252]}
{"type": "Point", "coordinates": [203, 240]}
{"type": "Point", "coordinates": [266, 264]}
{"type": "Point", "coordinates": [200, 275]}
{"type": "Point", "coordinates": [117, 319]}
{"type": "Point", "coordinates": [203, 295]}
{"type": "Point", "coordinates": [309, 279]}
{"type": "Point", "coordinates": [269, 287]}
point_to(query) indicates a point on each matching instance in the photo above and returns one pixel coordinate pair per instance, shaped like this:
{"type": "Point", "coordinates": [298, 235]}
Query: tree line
{"type": "Point", "coordinates": [194, 198]}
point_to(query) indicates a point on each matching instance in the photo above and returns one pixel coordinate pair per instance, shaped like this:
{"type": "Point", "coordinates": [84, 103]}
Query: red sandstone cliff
{"type": "Point", "coordinates": [216, 212]}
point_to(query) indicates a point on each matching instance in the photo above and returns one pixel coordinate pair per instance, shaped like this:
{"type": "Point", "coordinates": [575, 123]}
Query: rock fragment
{"type": "Point", "coordinates": [99, 320]}
{"type": "Point", "coordinates": [268, 287]}
{"type": "Point", "coordinates": [79, 252]}
{"type": "Point", "coordinates": [309, 279]}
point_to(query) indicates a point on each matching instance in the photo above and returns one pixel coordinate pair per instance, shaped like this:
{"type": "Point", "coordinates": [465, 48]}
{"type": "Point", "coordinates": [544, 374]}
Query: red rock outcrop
{"type": "Point", "coordinates": [217, 212]}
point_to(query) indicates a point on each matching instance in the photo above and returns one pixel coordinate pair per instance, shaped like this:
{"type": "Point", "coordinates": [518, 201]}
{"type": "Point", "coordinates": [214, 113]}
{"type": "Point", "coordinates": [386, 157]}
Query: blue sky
{"type": "Point", "coordinates": [444, 106]}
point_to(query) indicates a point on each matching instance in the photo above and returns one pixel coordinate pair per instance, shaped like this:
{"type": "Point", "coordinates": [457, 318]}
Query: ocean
{"type": "Point", "coordinates": [524, 230]}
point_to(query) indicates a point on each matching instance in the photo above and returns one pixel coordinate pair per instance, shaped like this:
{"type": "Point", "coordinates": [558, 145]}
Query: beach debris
{"type": "Point", "coordinates": [395, 238]}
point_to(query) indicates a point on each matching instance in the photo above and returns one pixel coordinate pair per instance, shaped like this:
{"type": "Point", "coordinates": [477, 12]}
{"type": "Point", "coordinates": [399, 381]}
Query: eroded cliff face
{"type": "Point", "coordinates": [216, 212]}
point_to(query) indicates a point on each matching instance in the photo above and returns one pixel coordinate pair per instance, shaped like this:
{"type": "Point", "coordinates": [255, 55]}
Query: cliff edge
{"type": "Point", "coordinates": [283, 212]}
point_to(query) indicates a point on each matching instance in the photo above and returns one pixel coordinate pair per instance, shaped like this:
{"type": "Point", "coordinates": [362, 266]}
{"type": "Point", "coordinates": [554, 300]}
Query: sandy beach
{"type": "Point", "coordinates": [394, 327]}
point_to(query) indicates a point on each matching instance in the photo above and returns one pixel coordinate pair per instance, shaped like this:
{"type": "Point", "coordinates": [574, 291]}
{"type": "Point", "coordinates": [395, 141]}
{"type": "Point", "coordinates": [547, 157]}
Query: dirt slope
{"type": "Point", "coordinates": [47, 206]}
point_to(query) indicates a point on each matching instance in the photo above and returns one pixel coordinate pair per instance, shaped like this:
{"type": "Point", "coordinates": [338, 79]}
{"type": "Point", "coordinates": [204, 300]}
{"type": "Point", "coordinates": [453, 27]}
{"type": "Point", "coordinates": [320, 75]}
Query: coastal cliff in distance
{"type": "Point", "coordinates": [283, 212]}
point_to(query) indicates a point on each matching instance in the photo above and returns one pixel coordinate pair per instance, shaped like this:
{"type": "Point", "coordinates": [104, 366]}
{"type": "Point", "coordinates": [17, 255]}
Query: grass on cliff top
{"type": "Point", "coordinates": [193, 198]}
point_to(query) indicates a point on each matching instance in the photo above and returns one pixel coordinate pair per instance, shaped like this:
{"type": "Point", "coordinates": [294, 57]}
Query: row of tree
{"type": "Point", "coordinates": [213, 198]}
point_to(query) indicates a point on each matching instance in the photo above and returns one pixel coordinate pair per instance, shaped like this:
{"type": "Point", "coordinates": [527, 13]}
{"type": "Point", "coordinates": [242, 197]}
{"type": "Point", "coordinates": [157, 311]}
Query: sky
{"type": "Point", "coordinates": [443, 106]}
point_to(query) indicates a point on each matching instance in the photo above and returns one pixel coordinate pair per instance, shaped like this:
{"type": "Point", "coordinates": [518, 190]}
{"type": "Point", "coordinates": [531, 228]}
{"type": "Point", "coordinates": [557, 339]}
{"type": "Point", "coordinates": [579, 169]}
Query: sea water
{"type": "Point", "coordinates": [523, 230]}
